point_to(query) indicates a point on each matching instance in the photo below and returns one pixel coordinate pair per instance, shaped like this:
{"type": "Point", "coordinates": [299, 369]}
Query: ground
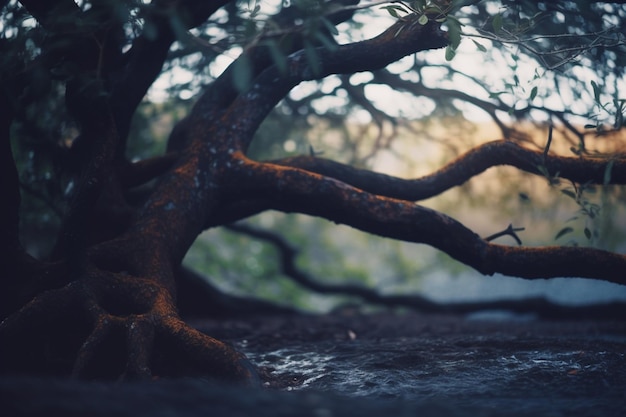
{"type": "Point", "coordinates": [386, 363]}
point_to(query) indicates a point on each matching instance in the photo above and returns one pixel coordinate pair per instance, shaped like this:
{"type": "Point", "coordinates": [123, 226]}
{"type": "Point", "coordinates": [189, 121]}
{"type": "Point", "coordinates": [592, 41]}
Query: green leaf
{"type": "Point", "coordinates": [596, 91]}
{"type": "Point", "coordinates": [533, 93]}
{"type": "Point", "coordinates": [454, 31]}
{"type": "Point", "coordinates": [588, 233]}
{"type": "Point", "coordinates": [278, 56]}
{"type": "Point", "coordinates": [497, 23]}
{"type": "Point", "coordinates": [394, 9]}
{"type": "Point", "coordinates": [563, 232]}
{"type": "Point", "coordinates": [422, 20]}
{"type": "Point", "coordinates": [178, 26]}
{"type": "Point", "coordinates": [329, 25]}
{"type": "Point", "coordinates": [312, 58]}
{"type": "Point", "coordinates": [326, 41]}
{"type": "Point", "coordinates": [479, 46]}
{"type": "Point", "coordinates": [450, 53]}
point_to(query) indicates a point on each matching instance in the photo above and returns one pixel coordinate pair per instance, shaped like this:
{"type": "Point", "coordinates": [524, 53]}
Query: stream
{"type": "Point", "coordinates": [481, 373]}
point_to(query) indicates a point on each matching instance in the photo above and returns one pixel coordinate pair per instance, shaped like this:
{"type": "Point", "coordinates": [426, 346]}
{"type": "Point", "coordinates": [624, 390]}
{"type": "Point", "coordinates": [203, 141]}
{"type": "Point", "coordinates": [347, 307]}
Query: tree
{"type": "Point", "coordinates": [103, 302]}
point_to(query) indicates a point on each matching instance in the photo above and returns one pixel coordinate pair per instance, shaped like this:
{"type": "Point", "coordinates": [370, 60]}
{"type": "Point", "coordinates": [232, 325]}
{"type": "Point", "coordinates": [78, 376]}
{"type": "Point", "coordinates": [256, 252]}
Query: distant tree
{"type": "Point", "coordinates": [101, 301]}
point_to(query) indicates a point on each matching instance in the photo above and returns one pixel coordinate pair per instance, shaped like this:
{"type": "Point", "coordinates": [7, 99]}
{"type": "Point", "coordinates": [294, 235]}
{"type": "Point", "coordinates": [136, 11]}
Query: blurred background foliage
{"type": "Point", "coordinates": [520, 66]}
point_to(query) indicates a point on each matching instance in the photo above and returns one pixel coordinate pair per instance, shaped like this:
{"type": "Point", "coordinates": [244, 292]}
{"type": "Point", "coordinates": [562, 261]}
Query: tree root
{"type": "Point", "coordinates": [113, 326]}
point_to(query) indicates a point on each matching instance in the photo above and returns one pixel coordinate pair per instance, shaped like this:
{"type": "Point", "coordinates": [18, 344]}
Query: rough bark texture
{"type": "Point", "coordinates": [104, 305]}
{"type": "Point", "coordinates": [109, 308]}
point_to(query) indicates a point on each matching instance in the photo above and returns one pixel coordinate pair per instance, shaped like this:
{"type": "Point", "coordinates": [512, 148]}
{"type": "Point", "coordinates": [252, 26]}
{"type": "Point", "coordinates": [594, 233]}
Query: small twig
{"type": "Point", "coordinates": [509, 231]}
{"type": "Point", "coordinates": [602, 40]}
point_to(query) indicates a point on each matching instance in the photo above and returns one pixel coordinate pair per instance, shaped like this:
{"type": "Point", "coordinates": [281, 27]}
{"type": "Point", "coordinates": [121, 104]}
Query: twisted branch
{"type": "Point", "coordinates": [462, 169]}
{"type": "Point", "coordinates": [294, 190]}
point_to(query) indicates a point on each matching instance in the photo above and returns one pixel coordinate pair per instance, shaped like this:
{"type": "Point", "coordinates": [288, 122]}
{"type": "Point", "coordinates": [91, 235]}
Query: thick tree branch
{"type": "Point", "coordinates": [468, 165]}
{"type": "Point", "coordinates": [405, 37]}
{"type": "Point", "coordinates": [294, 190]}
{"type": "Point", "coordinates": [256, 57]}
{"type": "Point", "coordinates": [73, 238]}
{"type": "Point", "coordinates": [192, 186]}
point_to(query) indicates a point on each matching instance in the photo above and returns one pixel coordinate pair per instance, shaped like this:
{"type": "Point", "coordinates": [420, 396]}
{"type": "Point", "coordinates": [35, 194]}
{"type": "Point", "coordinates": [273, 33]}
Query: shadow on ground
{"type": "Point", "coordinates": [349, 364]}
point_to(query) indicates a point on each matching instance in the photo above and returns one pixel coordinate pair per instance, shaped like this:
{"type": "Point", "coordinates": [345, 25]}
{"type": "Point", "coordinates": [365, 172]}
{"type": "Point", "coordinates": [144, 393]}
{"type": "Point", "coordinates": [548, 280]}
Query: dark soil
{"type": "Point", "coordinates": [349, 364]}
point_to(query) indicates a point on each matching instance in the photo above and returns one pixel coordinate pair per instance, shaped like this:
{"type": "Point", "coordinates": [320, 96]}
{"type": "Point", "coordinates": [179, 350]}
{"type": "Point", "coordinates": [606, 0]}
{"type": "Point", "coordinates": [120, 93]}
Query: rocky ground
{"type": "Point", "coordinates": [377, 364]}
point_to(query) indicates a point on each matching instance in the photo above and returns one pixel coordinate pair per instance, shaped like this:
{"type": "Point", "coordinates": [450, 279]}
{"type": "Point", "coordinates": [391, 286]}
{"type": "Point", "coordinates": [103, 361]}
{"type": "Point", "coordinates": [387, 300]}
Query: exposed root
{"type": "Point", "coordinates": [113, 326]}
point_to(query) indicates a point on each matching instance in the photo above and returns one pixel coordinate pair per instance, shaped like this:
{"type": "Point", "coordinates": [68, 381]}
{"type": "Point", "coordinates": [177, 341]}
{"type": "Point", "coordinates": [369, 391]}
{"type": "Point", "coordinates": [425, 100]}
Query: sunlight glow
{"type": "Point", "coordinates": [510, 76]}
